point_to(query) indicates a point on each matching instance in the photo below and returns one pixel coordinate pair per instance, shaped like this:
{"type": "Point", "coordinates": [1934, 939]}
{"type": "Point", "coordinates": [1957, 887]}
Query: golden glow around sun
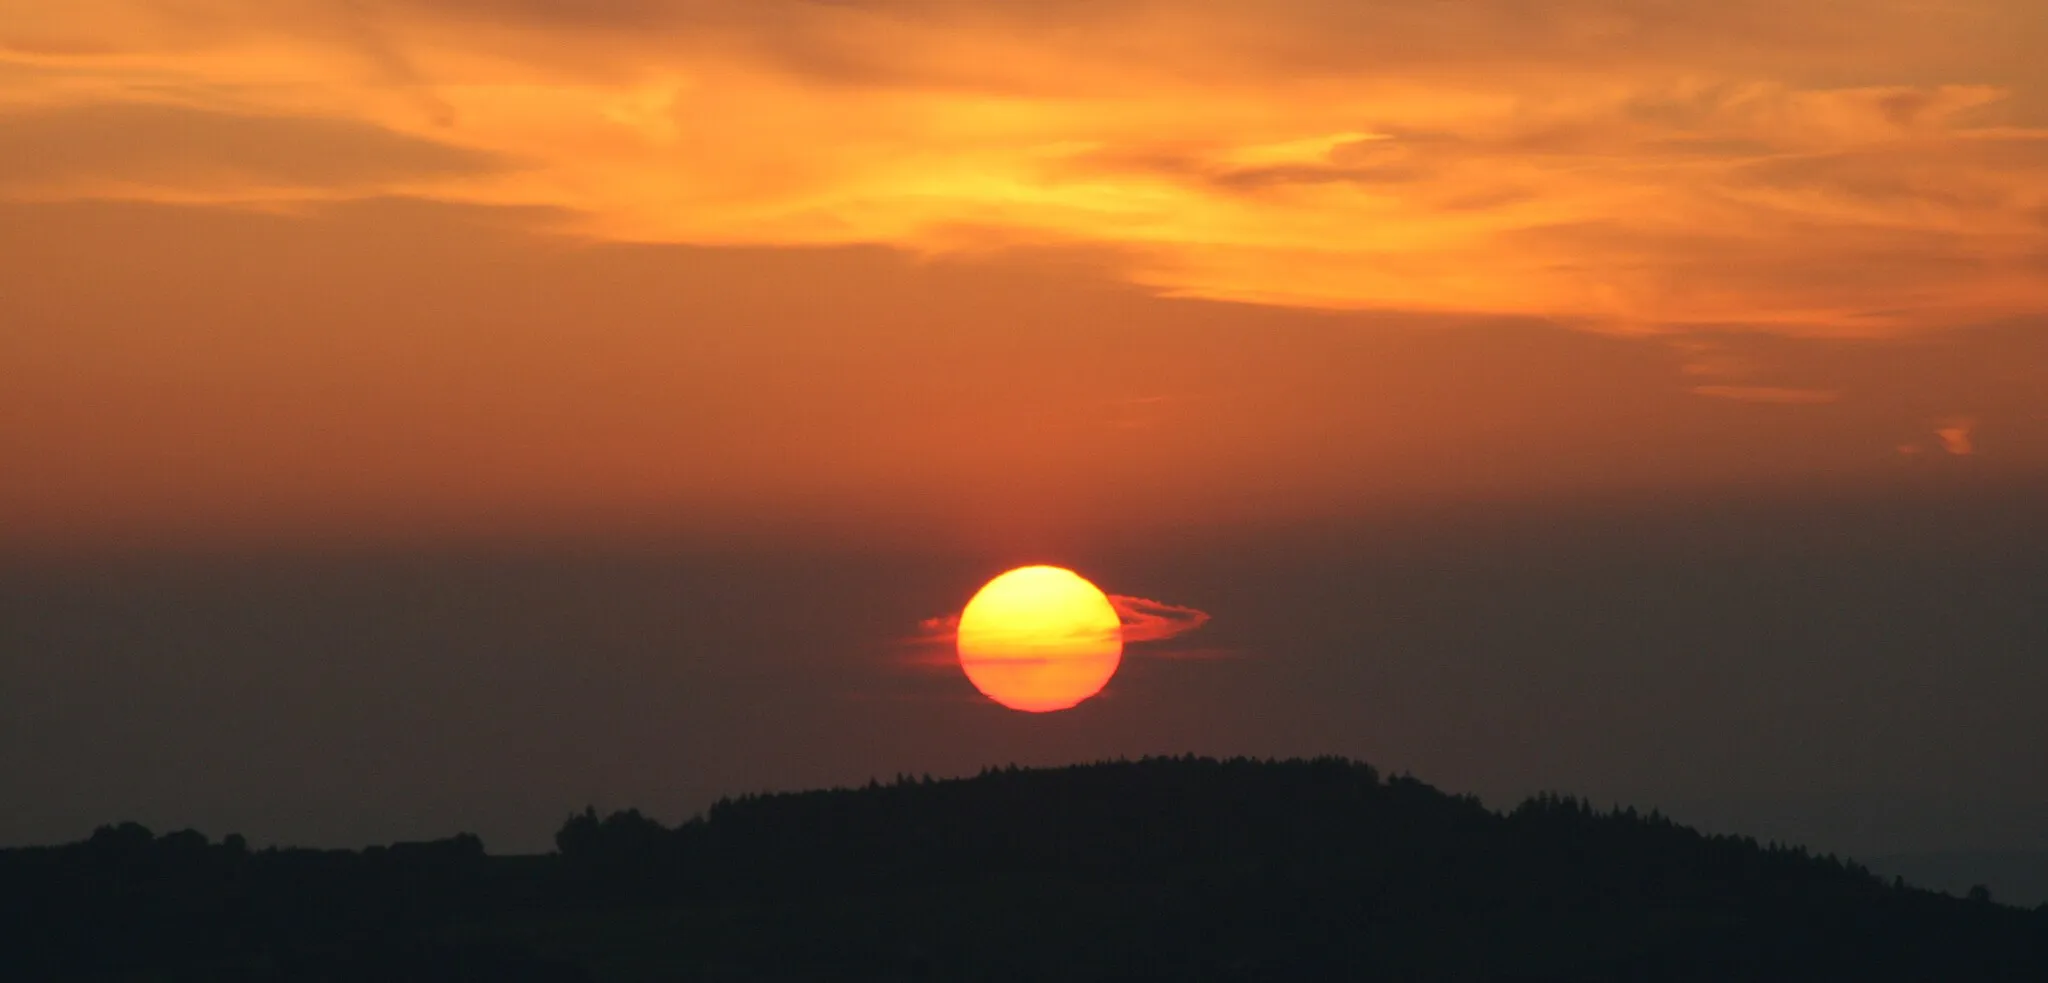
{"type": "Point", "coordinates": [1040, 639]}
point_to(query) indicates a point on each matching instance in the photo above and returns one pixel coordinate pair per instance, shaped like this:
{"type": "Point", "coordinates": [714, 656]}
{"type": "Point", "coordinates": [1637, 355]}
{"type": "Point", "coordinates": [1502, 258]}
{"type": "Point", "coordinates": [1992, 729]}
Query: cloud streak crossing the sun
{"type": "Point", "coordinates": [1142, 620]}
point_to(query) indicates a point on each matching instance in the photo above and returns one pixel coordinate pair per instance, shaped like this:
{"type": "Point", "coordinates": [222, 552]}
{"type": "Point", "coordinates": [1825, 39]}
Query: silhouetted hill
{"type": "Point", "coordinates": [2016, 877]}
{"type": "Point", "coordinates": [1189, 869]}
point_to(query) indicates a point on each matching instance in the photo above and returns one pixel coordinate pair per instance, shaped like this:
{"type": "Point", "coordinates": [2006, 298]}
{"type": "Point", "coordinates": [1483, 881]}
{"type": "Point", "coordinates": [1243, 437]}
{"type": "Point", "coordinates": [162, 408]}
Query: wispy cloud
{"type": "Point", "coordinates": [1616, 165]}
{"type": "Point", "coordinates": [1781, 395]}
{"type": "Point", "coordinates": [1155, 621]}
{"type": "Point", "coordinates": [1143, 620]}
{"type": "Point", "coordinates": [1956, 437]}
{"type": "Point", "coordinates": [174, 150]}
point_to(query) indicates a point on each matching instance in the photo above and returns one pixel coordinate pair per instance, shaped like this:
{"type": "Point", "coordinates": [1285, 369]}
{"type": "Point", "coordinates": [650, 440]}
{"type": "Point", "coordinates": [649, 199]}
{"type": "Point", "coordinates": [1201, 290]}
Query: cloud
{"type": "Point", "coordinates": [1781, 395]}
{"type": "Point", "coordinates": [1155, 621]}
{"type": "Point", "coordinates": [837, 38]}
{"type": "Point", "coordinates": [1732, 375]}
{"type": "Point", "coordinates": [1143, 621]}
{"type": "Point", "coordinates": [101, 150]}
{"type": "Point", "coordinates": [1955, 436]}
{"type": "Point", "coordinates": [1825, 168]}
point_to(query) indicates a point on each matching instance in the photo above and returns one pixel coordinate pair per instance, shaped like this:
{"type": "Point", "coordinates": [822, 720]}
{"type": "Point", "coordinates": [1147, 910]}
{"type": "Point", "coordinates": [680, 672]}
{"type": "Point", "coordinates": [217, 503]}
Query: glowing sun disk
{"type": "Point", "coordinates": [1039, 639]}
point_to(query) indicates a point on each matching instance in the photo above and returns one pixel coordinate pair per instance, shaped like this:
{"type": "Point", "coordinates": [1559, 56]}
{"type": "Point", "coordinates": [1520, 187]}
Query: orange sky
{"type": "Point", "coordinates": [985, 271]}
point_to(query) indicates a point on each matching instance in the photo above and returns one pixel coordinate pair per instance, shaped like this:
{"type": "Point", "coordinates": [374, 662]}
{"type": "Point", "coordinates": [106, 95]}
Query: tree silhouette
{"type": "Point", "coordinates": [1178, 868]}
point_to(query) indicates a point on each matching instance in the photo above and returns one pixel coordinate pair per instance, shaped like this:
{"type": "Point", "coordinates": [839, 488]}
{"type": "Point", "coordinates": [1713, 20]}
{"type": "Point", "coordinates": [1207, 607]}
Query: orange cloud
{"type": "Point", "coordinates": [1825, 168]}
{"type": "Point", "coordinates": [1955, 436]}
{"type": "Point", "coordinates": [1781, 395]}
{"type": "Point", "coordinates": [1143, 621]}
{"type": "Point", "coordinates": [171, 149]}
{"type": "Point", "coordinates": [1155, 621]}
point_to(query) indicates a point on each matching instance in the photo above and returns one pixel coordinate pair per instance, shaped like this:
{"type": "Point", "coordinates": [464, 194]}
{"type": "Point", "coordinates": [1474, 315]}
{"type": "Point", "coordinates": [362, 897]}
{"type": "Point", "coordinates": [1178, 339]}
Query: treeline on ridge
{"type": "Point", "coordinates": [1187, 868]}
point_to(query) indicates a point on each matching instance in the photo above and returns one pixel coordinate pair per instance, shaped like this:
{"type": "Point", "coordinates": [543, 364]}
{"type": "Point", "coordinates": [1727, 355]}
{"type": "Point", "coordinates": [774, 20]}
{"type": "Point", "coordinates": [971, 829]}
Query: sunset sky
{"type": "Point", "coordinates": [420, 414]}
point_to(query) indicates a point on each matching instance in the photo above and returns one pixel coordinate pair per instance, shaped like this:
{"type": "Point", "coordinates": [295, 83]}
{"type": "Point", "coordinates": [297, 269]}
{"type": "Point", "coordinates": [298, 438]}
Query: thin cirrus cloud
{"type": "Point", "coordinates": [171, 149]}
{"type": "Point", "coordinates": [1830, 168]}
{"type": "Point", "coordinates": [1781, 395]}
{"type": "Point", "coordinates": [1155, 621]}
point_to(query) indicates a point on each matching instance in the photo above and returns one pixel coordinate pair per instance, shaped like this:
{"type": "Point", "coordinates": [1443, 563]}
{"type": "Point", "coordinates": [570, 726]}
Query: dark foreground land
{"type": "Point", "coordinates": [1177, 869]}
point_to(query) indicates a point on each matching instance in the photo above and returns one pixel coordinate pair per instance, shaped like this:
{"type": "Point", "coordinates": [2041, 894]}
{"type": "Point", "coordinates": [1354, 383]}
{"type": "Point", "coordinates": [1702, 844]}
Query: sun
{"type": "Point", "coordinates": [1040, 639]}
